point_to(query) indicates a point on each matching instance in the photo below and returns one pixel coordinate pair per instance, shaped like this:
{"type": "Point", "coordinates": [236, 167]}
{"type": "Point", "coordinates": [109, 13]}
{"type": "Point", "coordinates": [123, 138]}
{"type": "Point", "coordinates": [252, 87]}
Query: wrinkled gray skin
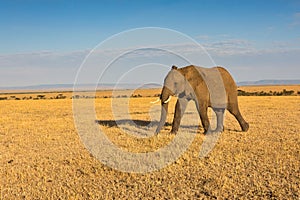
{"type": "Point", "coordinates": [188, 83]}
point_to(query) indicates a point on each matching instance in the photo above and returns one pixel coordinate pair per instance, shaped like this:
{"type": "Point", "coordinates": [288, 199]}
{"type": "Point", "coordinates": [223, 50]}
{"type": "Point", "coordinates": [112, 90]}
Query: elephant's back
{"type": "Point", "coordinates": [227, 78]}
{"type": "Point", "coordinates": [209, 73]}
{"type": "Point", "coordinates": [213, 74]}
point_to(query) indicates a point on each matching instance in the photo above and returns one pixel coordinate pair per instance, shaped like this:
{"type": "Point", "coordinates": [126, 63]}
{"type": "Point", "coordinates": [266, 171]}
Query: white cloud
{"type": "Point", "coordinates": [61, 67]}
{"type": "Point", "coordinates": [230, 47]}
{"type": "Point", "coordinates": [295, 20]}
{"type": "Point", "coordinates": [39, 68]}
{"type": "Point", "coordinates": [203, 37]}
{"type": "Point", "coordinates": [297, 15]}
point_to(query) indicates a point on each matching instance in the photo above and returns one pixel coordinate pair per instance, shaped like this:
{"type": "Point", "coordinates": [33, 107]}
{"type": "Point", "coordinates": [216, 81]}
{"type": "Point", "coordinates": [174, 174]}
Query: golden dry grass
{"type": "Point", "coordinates": [42, 156]}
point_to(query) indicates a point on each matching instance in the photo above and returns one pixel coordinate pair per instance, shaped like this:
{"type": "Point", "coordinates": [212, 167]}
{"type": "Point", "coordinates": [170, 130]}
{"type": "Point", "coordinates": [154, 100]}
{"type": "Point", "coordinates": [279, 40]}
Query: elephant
{"type": "Point", "coordinates": [207, 87]}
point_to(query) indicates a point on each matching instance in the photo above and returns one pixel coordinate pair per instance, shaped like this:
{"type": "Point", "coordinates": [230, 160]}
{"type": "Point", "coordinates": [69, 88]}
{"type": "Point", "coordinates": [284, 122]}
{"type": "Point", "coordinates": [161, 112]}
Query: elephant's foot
{"type": "Point", "coordinates": [245, 127]}
{"type": "Point", "coordinates": [217, 130]}
{"type": "Point", "coordinates": [173, 132]}
{"type": "Point", "coordinates": [207, 131]}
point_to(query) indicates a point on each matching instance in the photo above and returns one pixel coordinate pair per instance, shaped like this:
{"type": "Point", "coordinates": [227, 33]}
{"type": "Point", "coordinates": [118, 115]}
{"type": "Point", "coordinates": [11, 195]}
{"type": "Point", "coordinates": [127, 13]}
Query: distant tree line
{"type": "Point", "coordinates": [38, 97]}
{"type": "Point", "coordinates": [107, 96]}
{"type": "Point", "coordinates": [284, 92]}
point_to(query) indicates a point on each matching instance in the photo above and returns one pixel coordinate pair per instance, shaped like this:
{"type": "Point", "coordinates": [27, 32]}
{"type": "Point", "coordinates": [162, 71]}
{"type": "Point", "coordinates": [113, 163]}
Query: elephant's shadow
{"type": "Point", "coordinates": [137, 122]}
{"type": "Point", "coordinates": [133, 122]}
{"type": "Point", "coordinates": [115, 123]}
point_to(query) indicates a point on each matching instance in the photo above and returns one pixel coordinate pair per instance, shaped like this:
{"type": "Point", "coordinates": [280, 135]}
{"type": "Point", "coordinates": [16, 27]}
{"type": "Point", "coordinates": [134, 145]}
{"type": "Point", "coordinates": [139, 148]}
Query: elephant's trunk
{"type": "Point", "coordinates": [165, 97]}
{"type": "Point", "coordinates": [163, 117]}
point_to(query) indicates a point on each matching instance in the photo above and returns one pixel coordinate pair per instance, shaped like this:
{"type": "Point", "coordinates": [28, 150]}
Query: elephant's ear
{"type": "Point", "coordinates": [188, 87]}
{"type": "Point", "coordinates": [174, 67]}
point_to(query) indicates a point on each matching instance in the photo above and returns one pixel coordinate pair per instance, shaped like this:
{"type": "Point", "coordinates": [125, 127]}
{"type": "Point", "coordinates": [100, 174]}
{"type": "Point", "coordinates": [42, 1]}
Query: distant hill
{"type": "Point", "coordinates": [269, 82]}
{"type": "Point", "coordinates": [40, 87]}
{"type": "Point", "coordinates": [69, 87]}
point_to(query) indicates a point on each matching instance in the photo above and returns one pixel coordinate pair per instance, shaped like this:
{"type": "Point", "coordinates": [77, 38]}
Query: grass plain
{"type": "Point", "coordinates": [42, 156]}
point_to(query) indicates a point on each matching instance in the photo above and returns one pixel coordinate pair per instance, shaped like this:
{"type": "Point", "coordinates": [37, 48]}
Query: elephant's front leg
{"type": "Point", "coordinates": [179, 111]}
{"type": "Point", "coordinates": [202, 110]}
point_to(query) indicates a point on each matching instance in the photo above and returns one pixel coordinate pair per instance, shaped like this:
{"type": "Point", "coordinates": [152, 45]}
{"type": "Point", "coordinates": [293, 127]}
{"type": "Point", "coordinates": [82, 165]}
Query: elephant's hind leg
{"type": "Point", "coordinates": [220, 119]}
{"type": "Point", "coordinates": [234, 110]}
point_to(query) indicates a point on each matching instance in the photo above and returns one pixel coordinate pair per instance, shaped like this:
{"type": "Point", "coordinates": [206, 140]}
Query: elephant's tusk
{"type": "Point", "coordinates": [166, 101]}
{"type": "Point", "coordinates": [157, 100]}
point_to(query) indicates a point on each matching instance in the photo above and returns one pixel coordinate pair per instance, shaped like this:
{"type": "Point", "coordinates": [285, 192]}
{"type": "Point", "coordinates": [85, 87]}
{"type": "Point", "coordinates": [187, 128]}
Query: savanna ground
{"type": "Point", "coordinates": [42, 156]}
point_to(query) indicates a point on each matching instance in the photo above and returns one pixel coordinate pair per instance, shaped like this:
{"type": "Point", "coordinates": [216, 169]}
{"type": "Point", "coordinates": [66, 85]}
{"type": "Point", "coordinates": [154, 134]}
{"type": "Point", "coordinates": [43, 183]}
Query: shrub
{"type": "Point", "coordinates": [41, 96]}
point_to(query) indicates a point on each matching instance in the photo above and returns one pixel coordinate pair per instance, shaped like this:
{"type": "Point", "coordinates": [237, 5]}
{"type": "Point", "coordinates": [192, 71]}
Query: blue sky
{"type": "Point", "coordinates": [253, 39]}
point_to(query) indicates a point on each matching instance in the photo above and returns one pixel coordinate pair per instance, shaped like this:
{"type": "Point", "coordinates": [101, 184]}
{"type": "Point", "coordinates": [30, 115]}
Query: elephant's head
{"type": "Point", "coordinates": [174, 85]}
